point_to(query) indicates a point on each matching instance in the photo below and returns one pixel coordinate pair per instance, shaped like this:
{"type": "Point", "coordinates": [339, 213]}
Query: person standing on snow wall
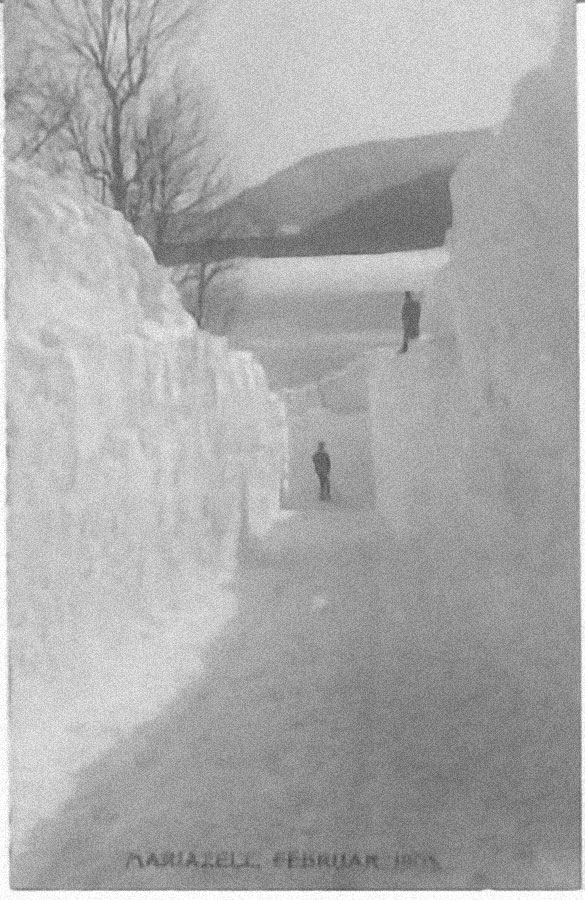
{"type": "Point", "coordinates": [322, 464]}
{"type": "Point", "coordinates": [410, 320]}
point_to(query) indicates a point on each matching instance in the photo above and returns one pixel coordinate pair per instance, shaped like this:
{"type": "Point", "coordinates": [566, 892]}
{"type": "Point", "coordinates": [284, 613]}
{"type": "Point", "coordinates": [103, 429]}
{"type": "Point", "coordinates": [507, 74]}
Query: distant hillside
{"type": "Point", "coordinates": [411, 216]}
{"type": "Point", "coordinates": [318, 188]}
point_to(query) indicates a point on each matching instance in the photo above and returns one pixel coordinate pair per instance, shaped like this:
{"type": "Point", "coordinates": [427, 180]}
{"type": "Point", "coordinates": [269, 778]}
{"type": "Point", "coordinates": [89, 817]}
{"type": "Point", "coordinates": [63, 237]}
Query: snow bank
{"type": "Point", "coordinates": [136, 444]}
{"type": "Point", "coordinates": [409, 417]}
{"type": "Point", "coordinates": [475, 448]}
{"type": "Point", "coordinates": [512, 290]}
{"type": "Point", "coordinates": [507, 431]}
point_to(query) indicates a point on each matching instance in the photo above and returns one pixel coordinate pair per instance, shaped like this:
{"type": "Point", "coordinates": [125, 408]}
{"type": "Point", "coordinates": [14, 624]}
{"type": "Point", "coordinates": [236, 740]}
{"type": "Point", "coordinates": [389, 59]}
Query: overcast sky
{"type": "Point", "coordinates": [292, 77]}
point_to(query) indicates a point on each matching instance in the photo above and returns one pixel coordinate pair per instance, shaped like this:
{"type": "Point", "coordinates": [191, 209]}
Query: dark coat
{"type": "Point", "coordinates": [322, 462]}
{"type": "Point", "coordinates": [411, 318]}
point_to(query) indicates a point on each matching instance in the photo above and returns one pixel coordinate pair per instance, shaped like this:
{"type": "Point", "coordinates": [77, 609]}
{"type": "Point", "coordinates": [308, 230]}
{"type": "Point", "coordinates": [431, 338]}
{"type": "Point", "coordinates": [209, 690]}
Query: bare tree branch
{"type": "Point", "coordinates": [95, 101]}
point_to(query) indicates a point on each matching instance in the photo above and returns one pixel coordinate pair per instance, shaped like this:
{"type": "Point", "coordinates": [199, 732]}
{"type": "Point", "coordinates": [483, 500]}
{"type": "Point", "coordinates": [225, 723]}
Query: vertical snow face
{"type": "Point", "coordinates": [512, 291]}
{"type": "Point", "coordinates": [409, 416]}
{"type": "Point", "coordinates": [508, 434]}
{"type": "Point", "coordinates": [134, 442]}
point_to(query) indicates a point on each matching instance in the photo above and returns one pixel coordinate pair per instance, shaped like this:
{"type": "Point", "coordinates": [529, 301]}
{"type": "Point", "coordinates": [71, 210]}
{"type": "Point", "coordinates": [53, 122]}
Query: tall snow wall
{"type": "Point", "coordinates": [415, 473]}
{"type": "Point", "coordinates": [475, 445]}
{"type": "Point", "coordinates": [500, 402]}
{"type": "Point", "coordinates": [136, 444]}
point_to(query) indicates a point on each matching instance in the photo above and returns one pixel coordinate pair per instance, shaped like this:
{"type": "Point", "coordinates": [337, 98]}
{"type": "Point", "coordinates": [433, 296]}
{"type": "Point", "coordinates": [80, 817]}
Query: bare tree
{"type": "Point", "coordinates": [38, 105]}
{"type": "Point", "coordinates": [109, 47]}
{"type": "Point", "coordinates": [172, 169]}
{"type": "Point", "coordinates": [195, 281]}
{"type": "Point", "coordinates": [119, 110]}
{"type": "Point", "coordinates": [177, 182]}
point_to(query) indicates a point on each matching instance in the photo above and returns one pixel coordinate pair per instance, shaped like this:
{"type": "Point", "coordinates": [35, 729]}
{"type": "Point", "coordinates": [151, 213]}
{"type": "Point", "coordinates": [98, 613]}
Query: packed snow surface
{"type": "Point", "coordinates": [137, 446]}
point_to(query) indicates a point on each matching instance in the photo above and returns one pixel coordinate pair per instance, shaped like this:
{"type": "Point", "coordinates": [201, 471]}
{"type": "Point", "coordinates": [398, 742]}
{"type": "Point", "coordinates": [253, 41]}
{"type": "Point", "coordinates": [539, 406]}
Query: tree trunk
{"type": "Point", "coordinates": [201, 292]}
{"type": "Point", "coordinates": [118, 183]}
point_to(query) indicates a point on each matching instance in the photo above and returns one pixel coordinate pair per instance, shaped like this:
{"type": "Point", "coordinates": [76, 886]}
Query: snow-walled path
{"type": "Point", "coordinates": [325, 748]}
{"type": "Point", "coordinates": [268, 754]}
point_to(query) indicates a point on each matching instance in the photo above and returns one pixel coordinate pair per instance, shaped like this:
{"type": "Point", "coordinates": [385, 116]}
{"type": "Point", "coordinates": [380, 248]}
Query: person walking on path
{"type": "Point", "coordinates": [410, 320]}
{"type": "Point", "coordinates": [322, 464]}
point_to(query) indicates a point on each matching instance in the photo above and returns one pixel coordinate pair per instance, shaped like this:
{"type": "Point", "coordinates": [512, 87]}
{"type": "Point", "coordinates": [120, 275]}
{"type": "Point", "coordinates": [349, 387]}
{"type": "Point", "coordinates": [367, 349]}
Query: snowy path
{"type": "Point", "coordinates": [268, 754]}
{"type": "Point", "coordinates": [333, 720]}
